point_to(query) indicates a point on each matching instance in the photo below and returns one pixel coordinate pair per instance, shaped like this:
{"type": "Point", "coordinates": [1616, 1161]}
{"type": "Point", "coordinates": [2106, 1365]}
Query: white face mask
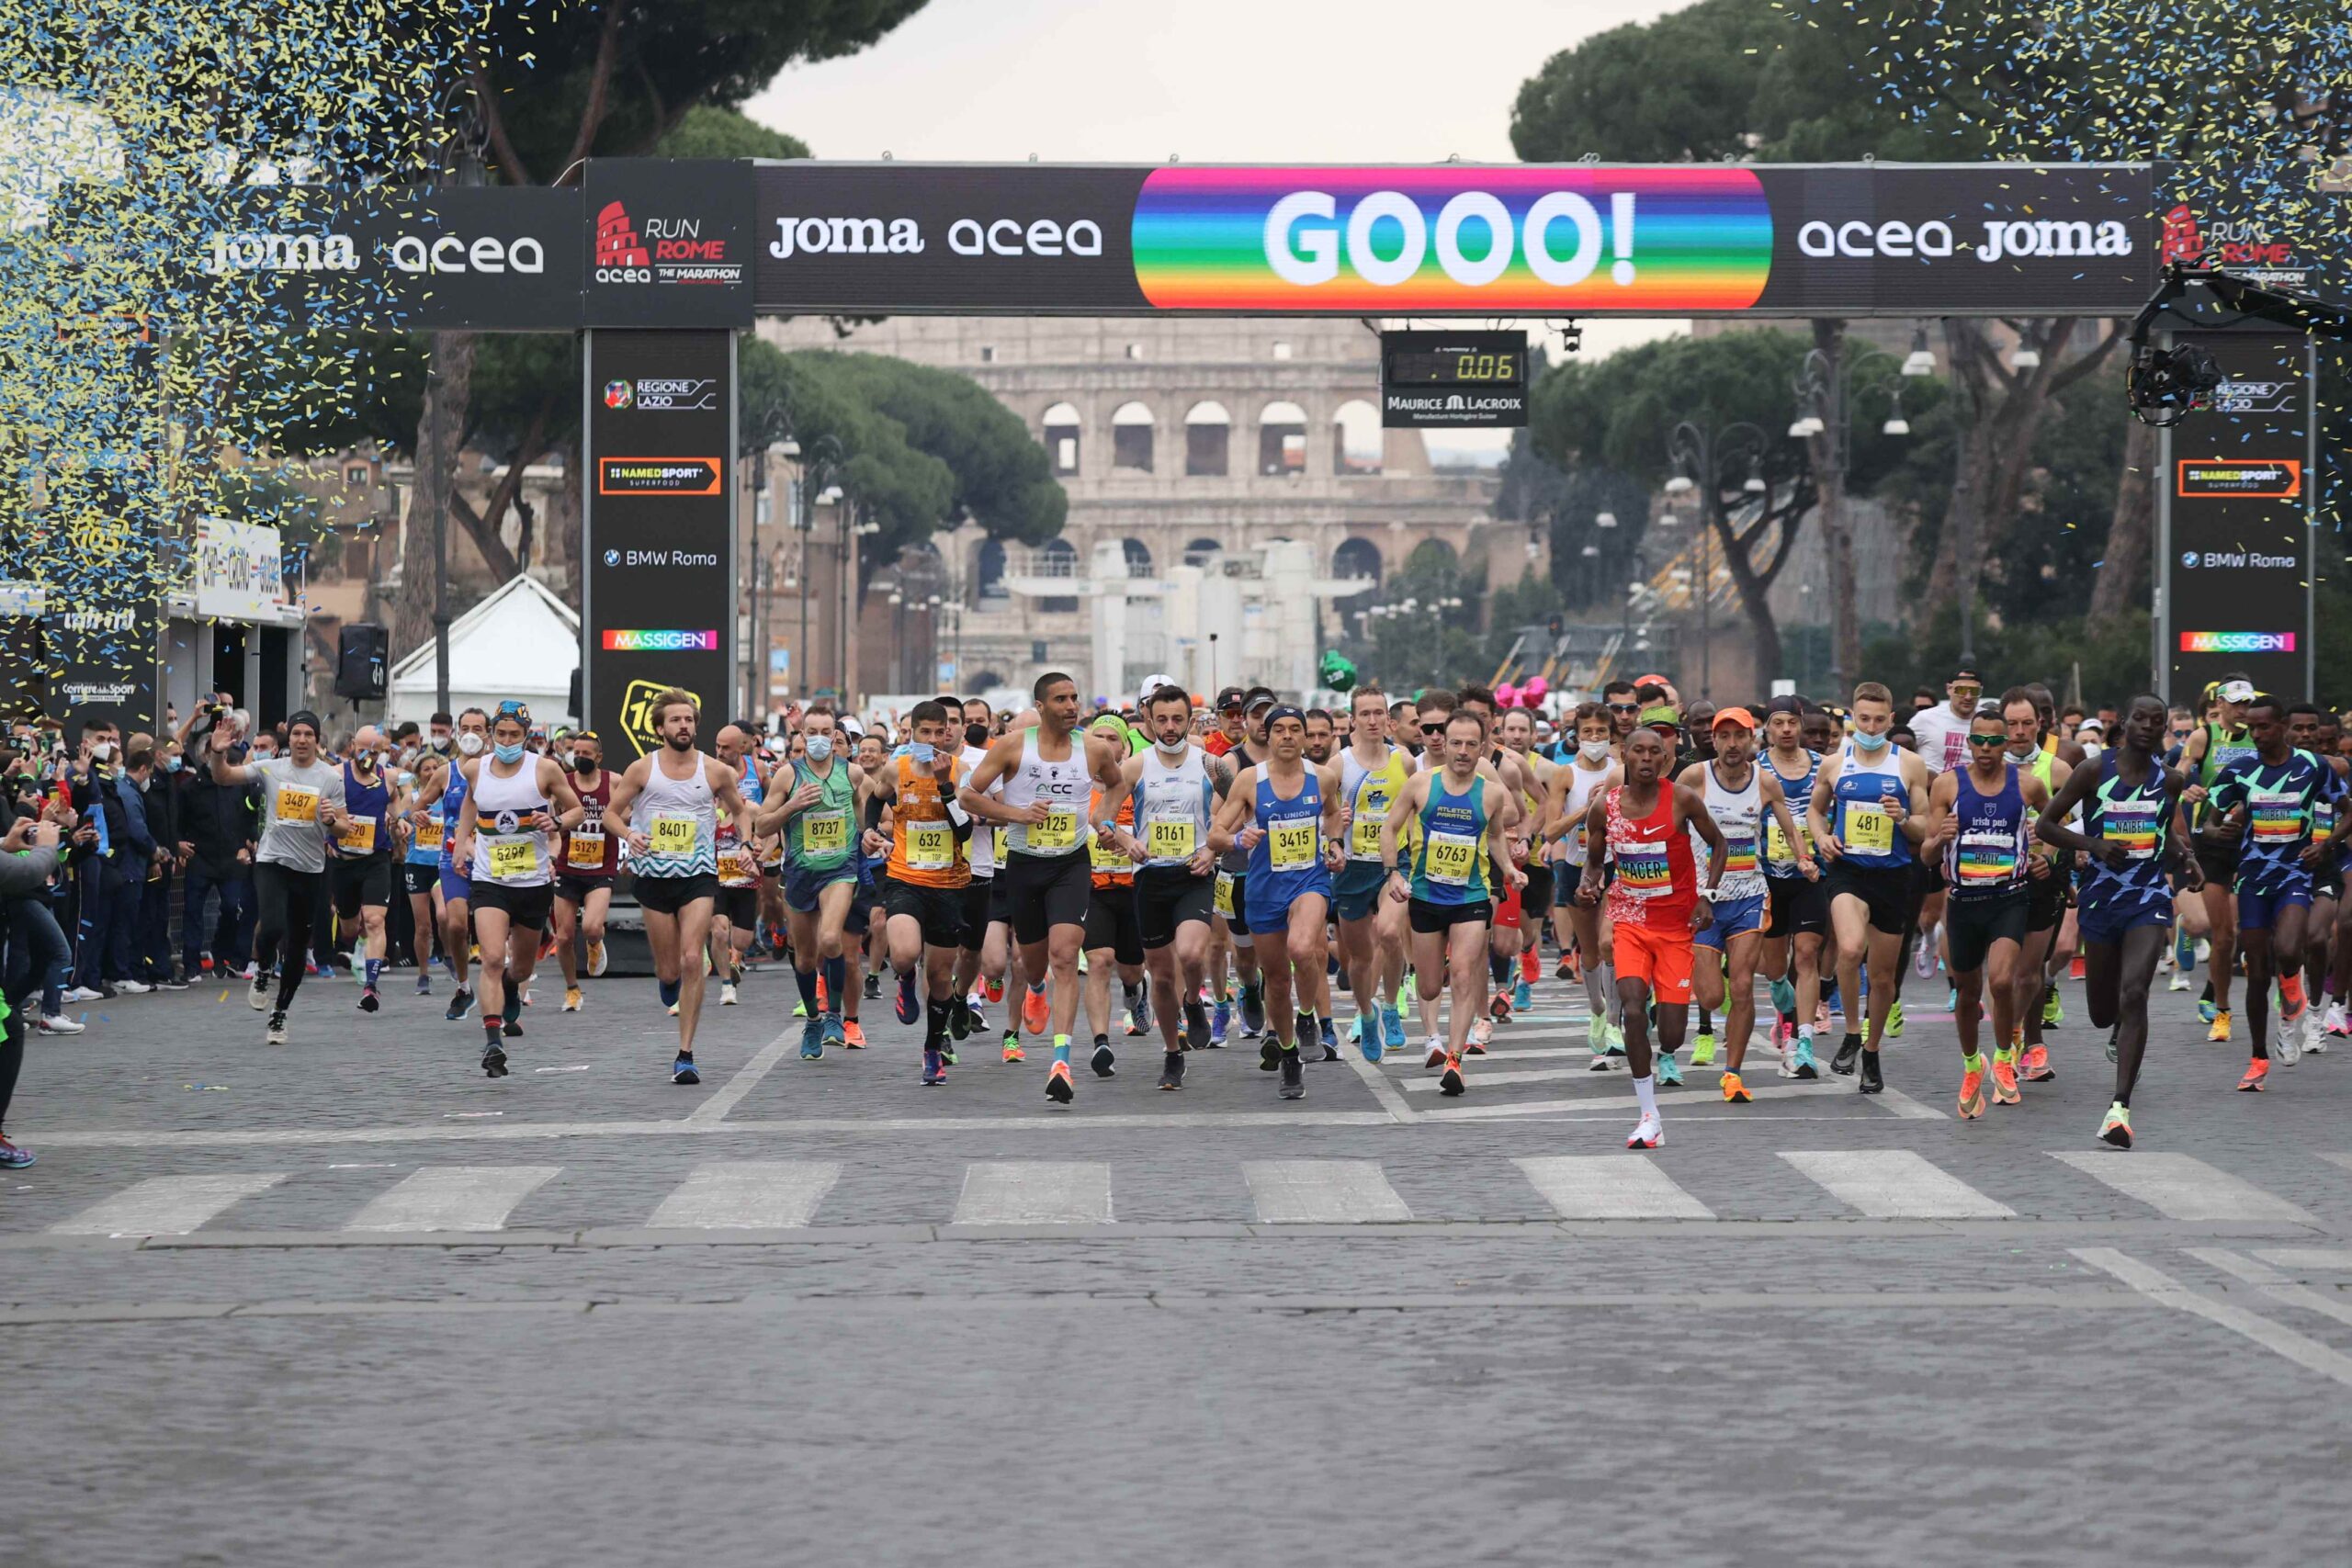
{"type": "Point", "coordinates": [819, 747]}
{"type": "Point", "coordinates": [1593, 751]}
{"type": "Point", "coordinates": [1867, 742]}
{"type": "Point", "coordinates": [102, 752]}
{"type": "Point", "coordinates": [1177, 747]}
{"type": "Point", "coordinates": [469, 743]}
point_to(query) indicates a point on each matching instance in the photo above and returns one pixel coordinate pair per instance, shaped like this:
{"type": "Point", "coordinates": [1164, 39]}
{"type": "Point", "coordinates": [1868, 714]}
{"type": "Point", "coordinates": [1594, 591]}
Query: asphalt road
{"type": "Point", "coordinates": [347, 1300]}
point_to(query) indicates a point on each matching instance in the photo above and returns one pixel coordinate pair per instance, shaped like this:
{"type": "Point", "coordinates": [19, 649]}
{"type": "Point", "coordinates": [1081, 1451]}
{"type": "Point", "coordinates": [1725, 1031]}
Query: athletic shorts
{"type": "Point", "coordinates": [1234, 908]}
{"type": "Point", "coordinates": [670, 895]}
{"type": "Point", "coordinates": [976, 902]}
{"type": "Point", "coordinates": [1355, 892]}
{"type": "Point", "coordinates": [415, 878]}
{"type": "Point", "coordinates": [455, 885]}
{"type": "Point", "coordinates": [802, 885]}
{"type": "Point", "coordinates": [2045, 905]}
{"type": "Point", "coordinates": [999, 911]}
{"type": "Point", "coordinates": [2327, 882]}
{"type": "Point", "coordinates": [1045, 891]}
{"type": "Point", "coordinates": [360, 884]}
{"type": "Point", "coordinates": [1111, 922]}
{"type": "Point", "coordinates": [2104, 920]}
{"type": "Point", "coordinates": [1926, 876]}
{"type": "Point", "coordinates": [1973, 925]}
{"type": "Point", "coordinates": [1885, 889]}
{"type": "Point", "coordinates": [863, 906]}
{"type": "Point", "coordinates": [524, 907]}
{"type": "Point", "coordinates": [1796, 907]}
{"type": "Point", "coordinates": [938, 910]}
{"type": "Point", "coordinates": [1734, 916]}
{"type": "Point", "coordinates": [1274, 918]}
{"type": "Point", "coordinates": [575, 889]}
{"type": "Point", "coordinates": [1509, 907]}
{"type": "Point", "coordinates": [1660, 959]}
{"type": "Point", "coordinates": [1434, 920]}
{"type": "Point", "coordinates": [2261, 912]}
{"type": "Point", "coordinates": [738, 906]}
{"type": "Point", "coordinates": [1535, 898]}
{"type": "Point", "coordinates": [1167, 897]}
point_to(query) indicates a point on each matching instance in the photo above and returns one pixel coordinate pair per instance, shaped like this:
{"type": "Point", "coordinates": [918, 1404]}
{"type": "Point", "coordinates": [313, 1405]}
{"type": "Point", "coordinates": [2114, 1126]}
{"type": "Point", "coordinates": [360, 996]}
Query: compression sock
{"type": "Point", "coordinates": [836, 983]}
{"type": "Point", "coordinates": [1498, 967]}
{"type": "Point", "coordinates": [807, 980]}
{"type": "Point", "coordinates": [934, 1024]}
{"type": "Point", "coordinates": [375, 968]}
{"type": "Point", "coordinates": [1645, 1094]}
{"type": "Point", "coordinates": [1784, 998]}
{"type": "Point", "coordinates": [1061, 1049]}
{"type": "Point", "coordinates": [1596, 986]}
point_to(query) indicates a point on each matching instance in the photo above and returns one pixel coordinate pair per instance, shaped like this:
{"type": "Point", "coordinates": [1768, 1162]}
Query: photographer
{"type": "Point", "coordinates": [38, 958]}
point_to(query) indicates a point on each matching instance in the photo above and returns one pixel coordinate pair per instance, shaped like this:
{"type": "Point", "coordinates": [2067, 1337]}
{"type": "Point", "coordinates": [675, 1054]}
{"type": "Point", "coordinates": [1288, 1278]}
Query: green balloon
{"type": "Point", "coordinates": [1339, 675]}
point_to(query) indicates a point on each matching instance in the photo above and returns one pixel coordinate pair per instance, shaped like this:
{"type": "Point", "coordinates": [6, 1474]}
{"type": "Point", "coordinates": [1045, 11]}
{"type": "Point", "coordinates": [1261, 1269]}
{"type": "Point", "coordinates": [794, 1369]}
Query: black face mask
{"type": "Point", "coordinates": [976, 735]}
{"type": "Point", "coordinates": [583, 764]}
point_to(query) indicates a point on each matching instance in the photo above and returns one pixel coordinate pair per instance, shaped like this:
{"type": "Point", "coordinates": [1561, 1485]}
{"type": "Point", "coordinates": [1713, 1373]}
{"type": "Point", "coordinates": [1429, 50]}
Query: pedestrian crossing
{"type": "Point", "coordinates": [764, 1195]}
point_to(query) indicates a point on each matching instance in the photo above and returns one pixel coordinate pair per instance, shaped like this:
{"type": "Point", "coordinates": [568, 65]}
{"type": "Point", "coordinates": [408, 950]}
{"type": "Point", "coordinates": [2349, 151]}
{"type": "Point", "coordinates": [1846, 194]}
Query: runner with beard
{"type": "Point", "coordinates": [1573, 790]}
{"type": "Point", "coordinates": [1372, 776]}
{"type": "Point", "coordinates": [2034, 747]}
{"type": "Point", "coordinates": [927, 874]}
{"type": "Point", "coordinates": [1175, 806]}
{"type": "Point", "coordinates": [301, 803]}
{"type": "Point", "coordinates": [667, 805]}
{"type": "Point", "coordinates": [584, 885]}
{"type": "Point", "coordinates": [817, 815]}
{"type": "Point", "coordinates": [514, 801]}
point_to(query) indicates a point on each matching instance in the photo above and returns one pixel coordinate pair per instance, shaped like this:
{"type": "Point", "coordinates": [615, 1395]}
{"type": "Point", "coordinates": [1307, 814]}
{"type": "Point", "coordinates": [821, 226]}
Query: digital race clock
{"type": "Point", "coordinates": [1453, 378]}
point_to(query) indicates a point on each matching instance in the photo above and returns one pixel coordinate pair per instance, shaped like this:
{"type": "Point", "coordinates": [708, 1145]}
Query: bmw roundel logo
{"type": "Point", "coordinates": [2188, 558]}
{"type": "Point", "coordinates": [611, 557]}
{"type": "Point", "coordinates": [617, 395]}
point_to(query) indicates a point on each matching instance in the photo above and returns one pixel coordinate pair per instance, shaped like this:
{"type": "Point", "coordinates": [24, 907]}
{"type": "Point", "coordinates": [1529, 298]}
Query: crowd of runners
{"type": "Point", "coordinates": [1311, 878]}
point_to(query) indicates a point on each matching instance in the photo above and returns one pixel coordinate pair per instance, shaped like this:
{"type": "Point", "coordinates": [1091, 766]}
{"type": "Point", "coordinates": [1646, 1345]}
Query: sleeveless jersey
{"type": "Point", "coordinates": [923, 850]}
{"type": "Point", "coordinates": [366, 828]}
{"type": "Point", "coordinates": [1288, 862]}
{"type": "Point", "coordinates": [825, 835]}
{"type": "Point", "coordinates": [588, 853]}
{"type": "Point", "coordinates": [680, 819]}
{"type": "Point", "coordinates": [453, 800]}
{"type": "Point", "coordinates": [1987, 856]}
{"type": "Point", "coordinates": [1657, 884]}
{"type": "Point", "coordinates": [1740, 814]}
{"type": "Point", "coordinates": [1112, 868]}
{"type": "Point", "coordinates": [1179, 801]}
{"type": "Point", "coordinates": [1370, 791]}
{"type": "Point", "coordinates": [2138, 819]}
{"type": "Point", "coordinates": [425, 845]}
{"type": "Point", "coordinates": [1063, 785]}
{"type": "Point", "coordinates": [1450, 864]}
{"type": "Point", "coordinates": [1780, 855]}
{"type": "Point", "coordinates": [1582, 782]}
{"type": "Point", "coordinates": [2278, 801]}
{"type": "Point", "coordinates": [980, 850]}
{"type": "Point", "coordinates": [505, 851]}
{"type": "Point", "coordinates": [1866, 831]}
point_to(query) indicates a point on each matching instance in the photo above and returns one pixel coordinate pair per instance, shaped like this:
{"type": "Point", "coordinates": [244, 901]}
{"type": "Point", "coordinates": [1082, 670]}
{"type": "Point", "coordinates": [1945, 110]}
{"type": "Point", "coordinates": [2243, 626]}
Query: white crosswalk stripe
{"type": "Point", "coordinates": [1322, 1191]}
{"type": "Point", "coordinates": [748, 1195]}
{"type": "Point", "coordinates": [166, 1205]}
{"type": "Point", "coordinates": [1034, 1192]}
{"type": "Point", "coordinates": [454, 1198]}
{"type": "Point", "coordinates": [1896, 1184]}
{"type": "Point", "coordinates": [2180, 1188]}
{"type": "Point", "coordinates": [1610, 1187]}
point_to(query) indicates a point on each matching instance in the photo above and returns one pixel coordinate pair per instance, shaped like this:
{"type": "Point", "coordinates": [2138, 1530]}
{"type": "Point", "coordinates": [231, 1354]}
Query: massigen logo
{"type": "Point", "coordinates": [619, 640]}
{"type": "Point", "coordinates": [1392, 240]}
{"type": "Point", "coordinates": [2237, 642]}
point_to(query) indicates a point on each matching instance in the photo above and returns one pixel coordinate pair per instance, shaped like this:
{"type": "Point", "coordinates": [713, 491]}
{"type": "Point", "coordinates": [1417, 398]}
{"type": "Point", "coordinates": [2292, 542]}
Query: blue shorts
{"type": "Point", "coordinates": [2259, 911]}
{"type": "Point", "coordinates": [801, 885]}
{"type": "Point", "coordinates": [1272, 915]}
{"type": "Point", "coordinates": [1734, 916]}
{"type": "Point", "coordinates": [2104, 920]}
{"type": "Point", "coordinates": [455, 887]}
{"type": "Point", "coordinates": [1355, 893]}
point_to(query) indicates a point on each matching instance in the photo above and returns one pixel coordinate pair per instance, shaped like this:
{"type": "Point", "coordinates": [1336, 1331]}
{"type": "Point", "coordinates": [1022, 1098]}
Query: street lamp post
{"type": "Point", "coordinates": [1699, 452]}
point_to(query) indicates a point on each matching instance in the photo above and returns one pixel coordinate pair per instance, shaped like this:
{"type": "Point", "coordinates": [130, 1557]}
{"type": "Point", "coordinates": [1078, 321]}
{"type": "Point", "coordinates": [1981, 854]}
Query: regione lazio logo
{"type": "Point", "coordinates": [637, 713]}
{"type": "Point", "coordinates": [617, 395]}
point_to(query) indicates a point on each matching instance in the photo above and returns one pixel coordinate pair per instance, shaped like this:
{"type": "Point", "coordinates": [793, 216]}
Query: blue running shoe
{"type": "Point", "coordinates": [2206, 1011]}
{"type": "Point", "coordinates": [668, 990]}
{"type": "Point", "coordinates": [835, 1035]}
{"type": "Point", "coordinates": [1393, 1022]}
{"type": "Point", "coordinates": [1370, 1042]}
{"type": "Point", "coordinates": [682, 1071]}
{"type": "Point", "coordinates": [14, 1156]}
{"type": "Point", "coordinates": [1253, 1012]}
{"type": "Point", "coordinates": [909, 1010]}
{"type": "Point", "coordinates": [1219, 1022]}
{"type": "Point", "coordinates": [934, 1071]}
{"type": "Point", "coordinates": [812, 1039]}
{"type": "Point", "coordinates": [458, 1005]}
{"type": "Point", "coordinates": [1523, 995]}
{"type": "Point", "coordinates": [1330, 1038]}
{"type": "Point", "coordinates": [1666, 1070]}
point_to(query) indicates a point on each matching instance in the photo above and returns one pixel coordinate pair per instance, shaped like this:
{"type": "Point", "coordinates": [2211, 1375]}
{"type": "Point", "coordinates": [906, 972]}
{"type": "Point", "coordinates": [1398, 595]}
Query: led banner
{"type": "Point", "coordinates": [2236, 534]}
{"type": "Point", "coordinates": [1583, 239]}
{"type": "Point", "coordinates": [659, 543]}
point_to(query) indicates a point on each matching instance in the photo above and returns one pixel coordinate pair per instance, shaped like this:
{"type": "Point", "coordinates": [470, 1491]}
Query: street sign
{"type": "Point", "coordinates": [1453, 380]}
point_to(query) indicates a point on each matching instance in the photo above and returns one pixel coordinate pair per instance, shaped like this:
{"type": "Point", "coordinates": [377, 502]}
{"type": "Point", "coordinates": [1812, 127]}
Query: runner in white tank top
{"type": "Point", "coordinates": [1574, 786]}
{"type": "Point", "coordinates": [512, 800]}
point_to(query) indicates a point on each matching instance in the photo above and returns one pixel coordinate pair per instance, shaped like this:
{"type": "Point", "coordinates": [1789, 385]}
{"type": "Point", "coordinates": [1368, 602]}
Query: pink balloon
{"type": "Point", "coordinates": [1533, 693]}
{"type": "Point", "coordinates": [1507, 696]}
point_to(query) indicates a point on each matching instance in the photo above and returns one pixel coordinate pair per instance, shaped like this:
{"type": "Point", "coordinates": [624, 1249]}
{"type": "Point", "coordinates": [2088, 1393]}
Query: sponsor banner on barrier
{"type": "Point", "coordinates": [1588, 239]}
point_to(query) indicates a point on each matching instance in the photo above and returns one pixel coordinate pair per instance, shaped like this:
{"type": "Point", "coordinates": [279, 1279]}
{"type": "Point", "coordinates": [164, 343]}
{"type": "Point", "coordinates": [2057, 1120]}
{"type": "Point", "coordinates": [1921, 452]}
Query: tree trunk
{"type": "Point", "coordinates": [449, 389]}
{"type": "Point", "coordinates": [2123, 580]}
{"type": "Point", "coordinates": [1837, 533]}
{"type": "Point", "coordinates": [559, 531]}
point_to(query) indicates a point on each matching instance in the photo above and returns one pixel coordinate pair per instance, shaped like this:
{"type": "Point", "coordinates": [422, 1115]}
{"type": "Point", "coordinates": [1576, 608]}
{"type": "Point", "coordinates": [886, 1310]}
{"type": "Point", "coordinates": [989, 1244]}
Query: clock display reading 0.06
{"type": "Point", "coordinates": [1419, 367]}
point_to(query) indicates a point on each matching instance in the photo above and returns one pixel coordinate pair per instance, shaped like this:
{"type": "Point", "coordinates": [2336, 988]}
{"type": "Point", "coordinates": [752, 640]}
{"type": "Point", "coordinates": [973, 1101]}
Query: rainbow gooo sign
{"type": "Point", "coordinates": [1397, 240]}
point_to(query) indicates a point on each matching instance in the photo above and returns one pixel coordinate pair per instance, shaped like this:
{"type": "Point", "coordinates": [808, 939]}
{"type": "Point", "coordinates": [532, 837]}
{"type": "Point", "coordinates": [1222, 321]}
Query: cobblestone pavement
{"type": "Point", "coordinates": [347, 1300]}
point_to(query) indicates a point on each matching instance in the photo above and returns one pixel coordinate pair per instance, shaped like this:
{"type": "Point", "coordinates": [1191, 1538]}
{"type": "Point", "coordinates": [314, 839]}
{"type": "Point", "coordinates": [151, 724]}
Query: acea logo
{"type": "Point", "coordinates": [1500, 239]}
{"type": "Point", "coordinates": [2237, 642]}
{"type": "Point", "coordinates": [617, 639]}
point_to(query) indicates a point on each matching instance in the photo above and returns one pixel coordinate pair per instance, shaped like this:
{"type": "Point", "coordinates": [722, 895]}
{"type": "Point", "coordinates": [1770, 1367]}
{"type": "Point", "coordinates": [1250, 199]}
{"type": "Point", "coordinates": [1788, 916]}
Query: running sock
{"type": "Point", "coordinates": [807, 980]}
{"type": "Point", "coordinates": [375, 968]}
{"type": "Point", "coordinates": [1784, 998]}
{"type": "Point", "coordinates": [836, 983]}
{"type": "Point", "coordinates": [512, 1011]}
{"type": "Point", "coordinates": [934, 1024]}
{"type": "Point", "coordinates": [1498, 967]}
{"type": "Point", "coordinates": [1596, 986]}
{"type": "Point", "coordinates": [1645, 1094]}
{"type": "Point", "coordinates": [670, 990]}
{"type": "Point", "coordinates": [1974, 1062]}
{"type": "Point", "coordinates": [490, 1034]}
{"type": "Point", "coordinates": [1061, 1049]}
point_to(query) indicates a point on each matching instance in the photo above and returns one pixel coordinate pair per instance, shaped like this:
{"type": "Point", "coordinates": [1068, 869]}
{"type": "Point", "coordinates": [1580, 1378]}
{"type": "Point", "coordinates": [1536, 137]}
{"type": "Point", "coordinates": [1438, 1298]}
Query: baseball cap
{"type": "Point", "coordinates": [1739, 717]}
{"type": "Point", "coordinates": [1791, 705]}
{"type": "Point", "coordinates": [1258, 697]}
{"type": "Point", "coordinates": [1663, 713]}
{"type": "Point", "coordinates": [1151, 685]}
{"type": "Point", "coordinates": [1965, 673]}
{"type": "Point", "coordinates": [1230, 698]}
{"type": "Point", "coordinates": [2237, 692]}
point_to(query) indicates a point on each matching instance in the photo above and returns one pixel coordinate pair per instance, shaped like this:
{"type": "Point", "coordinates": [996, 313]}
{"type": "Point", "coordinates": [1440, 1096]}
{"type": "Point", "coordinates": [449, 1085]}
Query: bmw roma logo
{"type": "Point", "coordinates": [2188, 558]}
{"type": "Point", "coordinates": [611, 557]}
{"type": "Point", "coordinates": [617, 395]}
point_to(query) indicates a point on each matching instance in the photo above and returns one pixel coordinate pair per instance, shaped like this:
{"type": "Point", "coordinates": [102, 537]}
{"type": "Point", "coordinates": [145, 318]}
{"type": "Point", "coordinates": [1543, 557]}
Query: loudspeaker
{"type": "Point", "coordinates": [359, 662]}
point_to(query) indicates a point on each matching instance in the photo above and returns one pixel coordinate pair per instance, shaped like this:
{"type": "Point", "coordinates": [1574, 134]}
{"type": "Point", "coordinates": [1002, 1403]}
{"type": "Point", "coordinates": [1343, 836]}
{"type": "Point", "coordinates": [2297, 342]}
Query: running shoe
{"type": "Point", "coordinates": [1270, 1053]}
{"type": "Point", "coordinates": [133, 987]}
{"type": "Point", "coordinates": [1197, 1026]}
{"type": "Point", "coordinates": [2257, 1075]}
{"type": "Point", "coordinates": [2335, 1022]}
{"type": "Point", "coordinates": [672, 1009]}
{"type": "Point", "coordinates": [276, 1033]}
{"type": "Point", "coordinates": [572, 999]}
{"type": "Point", "coordinates": [1500, 1008]}
{"type": "Point", "coordinates": [1253, 1012]}
{"type": "Point", "coordinates": [800, 1010]}
{"type": "Point", "coordinates": [2005, 1077]}
{"type": "Point", "coordinates": [1803, 1065]}
{"type": "Point", "coordinates": [2219, 1033]}
{"type": "Point", "coordinates": [1648, 1134]}
{"type": "Point", "coordinates": [368, 1000]}
{"type": "Point", "coordinates": [1870, 1083]}
{"type": "Point", "coordinates": [1102, 1060]}
{"type": "Point", "coordinates": [1702, 1051]}
{"type": "Point", "coordinates": [2117, 1129]}
{"type": "Point", "coordinates": [1895, 1019]}
{"type": "Point", "coordinates": [1220, 1019]}
{"type": "Point", "coordinates": [91, 994]}
{"type": "Point", "coordinates": [1436, 1054]}
{"type": "Point", "coordinates": [2184, 951]}
{"type": "Point", "coordinates": [934, 1071]}
{"type": "Point", "coordinates": [1564, 969]}
{"type": "Point", "coordinates": [460, 1005]}
{"type": "Point", "coordinates": [1951, 998]}
{"type": "Point", "coordinates": [1392, 1023]}
{"type": "Point", "coordinates": [812, 1039]}
{"type": "Point", "coordinates": [1523, 995]}
{"type": "Point", "coordinates": [256, 993]}
{"type": "Point", "coordinates": [849, 1035]}
{"type": "Point", "coordinates": [493, 1060]}
{"type": "Point", "coordinates": [1035, 1012]}
{"type": "Point", "coordinates": [1482, 1035]}
{"type": "Point", "coordinates": [872, 985]}
{"type": "Point", "coordinates": [2206, 1011]}
{"type": "Point", "coordinates": [2179, 981]}
{"type": "Point", "coordinates": [2204, 950]}
{"type": "Point", "coordinates": [1331, 1041]}
{"type": "Point", "coordinates": [2035, 1064]}
{"type": "Point", "coordinates": [2053, 1012]}
{"type": "Point", "coordinates": [994, 989]}
{"type": "Point", "coordinates": [1596, 1033]}
{"type": "Point", "coordinates": [2292, 1008]}
{"type": "Point", "coordinates": [1971, 1088]}
{"type": "Point", "coordinates": [425, 982]}
{"type": "Point", "coordinates": [1058, 1087]}
{"type": "Point", "coordinates": [1735, 1091]}
{"type": "Point", "coordinates": [1294, 1084]}
{"type": "Point", "coordinates": [1669, 1075]}
{"type": "Point", "coordinates": [1171, 1070]}
{"type": "Point", "coordinates": [682, 1071]}
{"type": "Point", "coordinates": [1923, 956]}
{"type": "Point", "coordinates": [58, 1024]}
{"type": "Point", "coordinates": [1013, 1051]}
{"type": "Point", "coordinates": [726, 993]}
{"type": "Point", "coordinates": [1139, 1000]}
{"type": "Point", "coordinates": [975, 1020]}
{"type": "Point", "coordinates": [1850, 1051]}
{"type": "Point", "coordinates": [596, 960]}
{"type": "Point", "coordinates": [1449, 1082]}
{"type": "Point", "coordinates": [2286, 1044]}
{"type": "Point", "coordinates": [910, 1009]}
{"type": "Point", "coordinates": [947, 1051]}
{"type": "Point", "coordinates": [14, 1156]}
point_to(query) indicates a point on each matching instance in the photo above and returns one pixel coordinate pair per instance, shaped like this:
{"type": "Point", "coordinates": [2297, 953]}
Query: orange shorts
{"type": "Point", "coordinates": [1508, 910]}
{"type": "Point", "coordinates": [1660, 959]}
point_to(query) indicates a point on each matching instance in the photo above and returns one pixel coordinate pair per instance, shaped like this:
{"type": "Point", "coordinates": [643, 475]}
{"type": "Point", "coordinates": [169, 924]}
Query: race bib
{"type": "Point", "coordinates": [997, 842]}
{"type": "Point", "coordinates": [1365, 831]}
{"type": "Point", "coordinates": [930, 846]}
{"type": "Point", "coordinates": [1868, 831]}
{"type": "Point", "coordinates": [1739, 853]}
{"type": "Point", "coordinates": [2132, 826]}
{"type": "Point", "coordinates": [825, 832]}
{"type": "Point", "coordinates": [675, 836]}
{"type": "Point", "coordinates": [1225, 893]}
{"type": "Point", "coordinates": [296, 805]}
{"type": "Point", "coordinates": [1776, 847]}
{"type": "Point", "coordinates": [735, 869]}
{"type": "Point", "coordinates": [1173, 840]}
{"type": "Point", "coordinates": [512, 859]}
{"type": "Point", "coordinates": [356, 836]}
{"type": "Point", "coordinates": [2275, 818]}
{"type": "Point", "coordinates": [1642, 870]}
{"type": "Point", "coordinates": [1289, 846]}
{"type": "Point", "coordinates": [1452, 858]}
{"type": "Point", "coordinates": [585, 851]}
{"type": "Point", "coordinates": [1105, 858]}
{"type": "Point", "coordinates": [1057, 831]}
{"type": "Point", "coordinates": [1987, 860]}
{"type": "Point", "coordinates": [428, 837]}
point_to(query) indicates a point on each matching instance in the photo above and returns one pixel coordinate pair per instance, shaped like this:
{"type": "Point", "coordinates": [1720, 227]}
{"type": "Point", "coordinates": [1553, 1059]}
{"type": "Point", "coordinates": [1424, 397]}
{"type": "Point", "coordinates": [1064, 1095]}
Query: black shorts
{"type": "Point", "coordinates": [938, 910]}
{"type": "Point", "coordinates": [671, 894]}
{"type": "Point", "coordinates": [1794, 906]}
{"type": "Point", "coordinates": [2045, 903]}
{"type": "Point", "coordinates": [1885, 889]}
{"type": "Point", "coordinates": [1045, 891]}
{"type": "Point", "coordinates": [2219, 862]}
{"type": "Point", "coordinates": [360, 884]}
{"type": "Point", "coordinates": [524, 907]}
{"type": "Point", "coordinates": [416, 879]}
{"type": "Point", "coordinates": [1535, 898]}
{"type": "Point", "coordinates": [1111, 922]}
{"type": "Point", "coordinates": [1166, 898]}
{"type": "Point", "coordinates": [862, 906]}
{"type": "Point", "coordinates": [737, 906]}
{"type": "Point", "coordinates": [1000, 910]}
{"type": "Point", "coordinates": [1237, 922]}
{"type": "Point", "coordinates": [1432, 919]}
{"type": "Point", "coordinates": [1973, 925]}
{"type": "Point", "coordinates": [976, 900]}
{"type": "Point", "coordinates": [575, 889]}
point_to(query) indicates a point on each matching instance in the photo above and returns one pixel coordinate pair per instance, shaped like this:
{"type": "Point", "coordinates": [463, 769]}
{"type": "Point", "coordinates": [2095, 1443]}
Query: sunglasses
{"type": "Point", "coordinates": [1989, 740]}
{"type": "Point", "coordinates": [1625, 708]}
{"type": "Point", "coordinates": [1433, 729]}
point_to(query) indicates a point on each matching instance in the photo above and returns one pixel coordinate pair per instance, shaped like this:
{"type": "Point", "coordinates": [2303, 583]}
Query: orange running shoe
{"type": "Point", "coordinates": [1972, 1089]}
{"type": "Point", "coordinates": [1530, 964]}
{"type": "Point", "coordinates": [2036, 1065]}
{"type": "Point", "coordinates": [1013, 1051]}
{"type": "Point", "coordinates": [1450, 1082]}
{"type": "Point", "coordinates": [1735, 1091]}
{"type": "Point", "coordinates": [1058, 1087]}
{"type": "Point", "coordinates": [2257, 1076]}
{"type": "Point", "coordinates": [994, 990]}
{"type": "Point", "coordinates": [852, 1035]}
{"type": "Point", "coordinates": [2004, 1078]}
{"type": "Point", "coordinates": [1035, 1012]}
{"type": "Point", "coordinates": [821, 993]}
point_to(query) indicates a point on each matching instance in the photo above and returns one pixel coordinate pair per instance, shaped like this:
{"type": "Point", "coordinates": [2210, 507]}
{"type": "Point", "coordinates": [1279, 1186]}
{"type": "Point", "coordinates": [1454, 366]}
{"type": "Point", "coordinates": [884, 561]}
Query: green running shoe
{"type": "Point", "coordinates": [1702, 1051]}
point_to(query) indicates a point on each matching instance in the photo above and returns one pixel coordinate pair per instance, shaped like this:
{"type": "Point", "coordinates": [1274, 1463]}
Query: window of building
{"type": "Point", "coordinates": [1059, 558]}
{"type": "Point", "coordinates": [1356, 560]}
{"type": "Point", "coordinates": [1207, 430]}
{"type": "Point", "coordinates": [1138, 555]}
{"type": "Point", "coordinates": [988, 354]}
{"type": "Point", "coordinates": [1356, 438]}
{"type": "Point", "coordinates": [1281, 439]}
{"type": "Point", "coordinates": [1281, 351]}
{"type": "Point", "coordinates": [1135, 351]}
{"type": "Point", "coordinates": [1131, 438]}
{"type": "Point", "coordinates": [991, 569]}
{"type": "Point", "coordinates": [355, 476]}
{"type": "Point", "coordinates": [1061, 437]}
{"type": "Point", "coordinates": [1198, 552]}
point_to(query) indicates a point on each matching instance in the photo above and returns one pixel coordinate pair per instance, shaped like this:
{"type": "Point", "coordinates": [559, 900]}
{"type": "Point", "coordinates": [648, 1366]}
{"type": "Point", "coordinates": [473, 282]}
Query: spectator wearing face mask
{"type": "Point", "coordinates": [148, 778]}
{"type": "Point", "coordinates": [107, 867]}
{"type": "Point", "coordinates": [216, 824]}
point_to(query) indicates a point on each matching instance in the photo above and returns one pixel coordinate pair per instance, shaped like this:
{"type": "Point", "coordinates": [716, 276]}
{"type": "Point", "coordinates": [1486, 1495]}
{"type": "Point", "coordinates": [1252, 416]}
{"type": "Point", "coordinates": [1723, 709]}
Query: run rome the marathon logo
{"type": "Point", "coordinates": [2237, 642]}
{"type": "Point", "coordinates": [668, 251]}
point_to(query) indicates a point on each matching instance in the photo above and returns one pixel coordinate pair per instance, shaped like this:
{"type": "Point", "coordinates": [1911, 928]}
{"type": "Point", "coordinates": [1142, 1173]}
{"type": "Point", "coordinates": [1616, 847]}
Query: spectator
{"type": "Point", "coordinates": [216, 826]}
{"type": "Point", "coordinates": [107, 869]}
{"type": "Point", "coordinates": [150, 940]}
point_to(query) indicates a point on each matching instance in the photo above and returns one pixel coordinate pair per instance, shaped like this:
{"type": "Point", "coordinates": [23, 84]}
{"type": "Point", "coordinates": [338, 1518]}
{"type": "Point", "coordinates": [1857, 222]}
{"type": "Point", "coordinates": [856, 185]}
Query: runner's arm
{"type": "Point", "coordinates": [1776, 800]}
{"type": "Point", "coordinates": [568, 808]}
{"type": "Point", "coordinates": [1232, 812]}
{"type": "Point", "coordinates": [1004, 755]}
{"type": "Point", "coordinates": [1816, 811]}
{"type": "Point", "coordinates": [1691, 807]}
{"type": "Point", "coordinates": [2052, 828]}
{"type": "Point", "coordinates": [461, 840]}
{"type": "Point", "coordinates": [1915, 798]}
{"type": "Point", "coordinates": [1942, 796]}
{"type": "Point", "coordinates": [1498, 839]}
{"type": "Point", "coordinates": [727, 794]}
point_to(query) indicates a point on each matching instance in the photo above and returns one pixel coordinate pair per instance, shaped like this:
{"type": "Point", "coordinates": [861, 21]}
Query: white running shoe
{"type": "Point", "coordinates": [83, 994]}
{"type": "Point", "coordinates": [2336, 1022]}
{"type": "Point", "coordinates": [1647, 1133]}
{"type": "Point", "coordinates": [2287, 1040]}
{"type": "Point", "coordinates": [1788, 1063]}
{"type": "Point", "coordinates": [2179, 981]}
{"type": "Point", "coordinates": [1436, 1058]}
{"type": "Point", "coordinates": [133, 987]}
{"type": "Point", "coordinates": [59, 1025]}
{"type": "Point", "coordinates": [726, 993]}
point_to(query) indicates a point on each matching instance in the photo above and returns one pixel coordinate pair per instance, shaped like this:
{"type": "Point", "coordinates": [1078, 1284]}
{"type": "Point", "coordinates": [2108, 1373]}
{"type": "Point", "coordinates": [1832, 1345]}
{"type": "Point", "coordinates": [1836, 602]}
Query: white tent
{"type": "Point", "coordinates": [521, 642]}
